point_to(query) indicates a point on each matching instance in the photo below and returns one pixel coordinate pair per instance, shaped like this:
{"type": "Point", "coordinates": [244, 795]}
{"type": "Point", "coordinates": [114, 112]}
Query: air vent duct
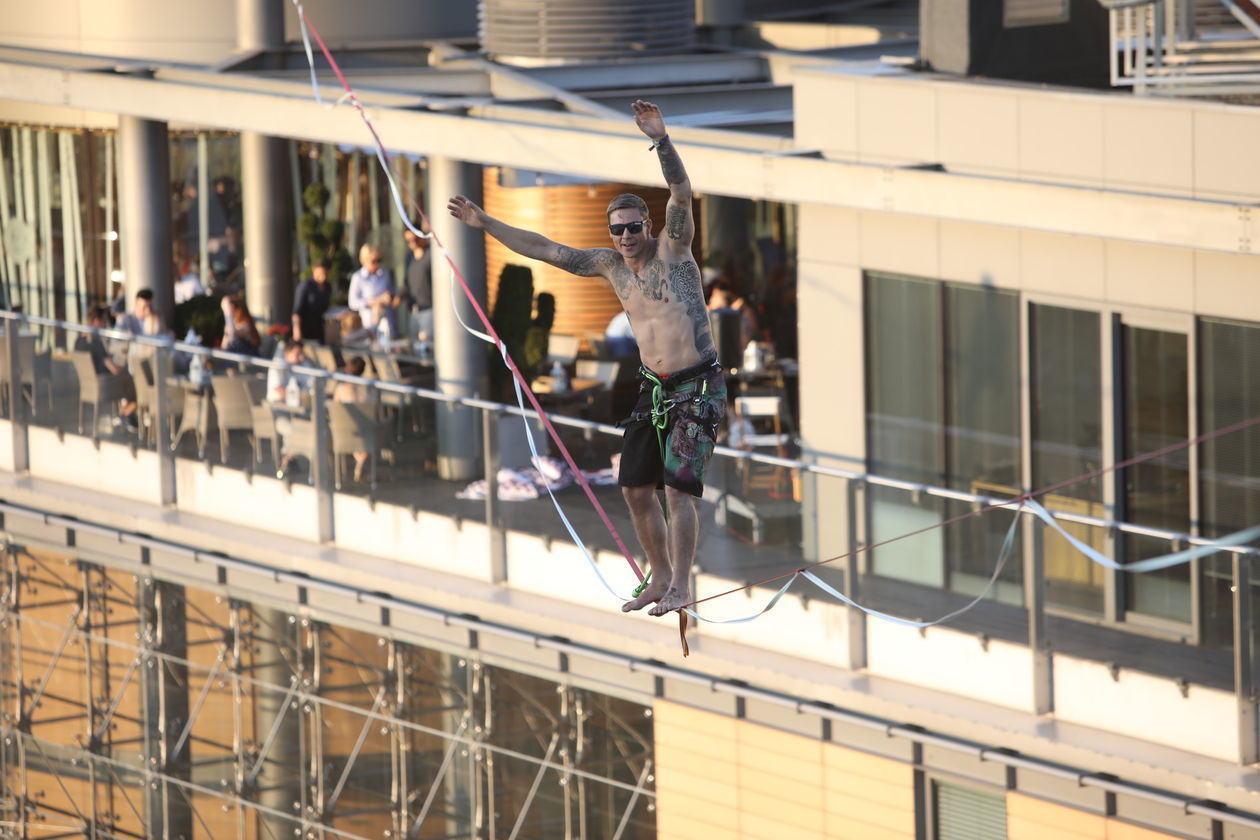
{"type": "Point", "coordinates": [560, 31]}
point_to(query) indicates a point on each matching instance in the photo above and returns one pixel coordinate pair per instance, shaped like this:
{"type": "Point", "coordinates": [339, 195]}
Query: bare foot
{"type": "Point", "coordinates": [650, 596]}
{"type": "Point", "coordinates": [676, 598]}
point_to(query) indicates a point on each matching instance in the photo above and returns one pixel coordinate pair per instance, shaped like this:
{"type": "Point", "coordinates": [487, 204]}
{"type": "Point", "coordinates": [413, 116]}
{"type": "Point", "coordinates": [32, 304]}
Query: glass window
{"type": "Point", "coordinates": [903, 421]}
{"type": "Point", "coordinates": [982, 438]}
{"type": "Point", "coordinates": [942, 409]}
{"type": "Point", "coordinates": [1156, 492]}
{"type": "Point", "coordinates": [1066, 406]}
{"type": "Point", "coordinates": [1229, 466]}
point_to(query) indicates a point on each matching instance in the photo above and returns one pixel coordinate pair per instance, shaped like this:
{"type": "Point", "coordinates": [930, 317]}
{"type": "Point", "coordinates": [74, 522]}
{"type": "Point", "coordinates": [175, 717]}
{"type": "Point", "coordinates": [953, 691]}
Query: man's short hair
{"type": "Point", "coordinates": [145, 294]}
{"type": "Point", "coordinates": [293, 344]}
{"type": "Point", "coordinates": [324, 263]}
{"type": "Point", "coordinates": [628, 201]}
{"type": "Point", "coordinates": [368, 251]}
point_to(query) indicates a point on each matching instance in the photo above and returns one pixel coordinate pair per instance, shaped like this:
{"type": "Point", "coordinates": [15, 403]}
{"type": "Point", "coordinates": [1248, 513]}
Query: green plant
{"type": "Point", "coordinates": [204, 314]}
{"type": "Point", "coordinates": [538, 336]}
{"type": "Point", "coordinates": [513, 307]}
{"type": "Point", "coordinates": [324, 238]}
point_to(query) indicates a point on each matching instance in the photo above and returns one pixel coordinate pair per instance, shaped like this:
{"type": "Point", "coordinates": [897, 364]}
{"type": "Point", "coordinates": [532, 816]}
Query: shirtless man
{"type": "Point", "coordinates": [658, 283]}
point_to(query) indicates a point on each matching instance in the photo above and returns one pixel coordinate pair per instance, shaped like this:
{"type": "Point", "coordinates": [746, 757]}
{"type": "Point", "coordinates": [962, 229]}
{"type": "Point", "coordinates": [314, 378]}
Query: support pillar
{"type": "Point", "coordinates": [266, 191]}
{"type": "Point", "coordinates": [460, 358]}
{"type": "Point", "coordinates": [278, 786]}
{"type": "Point", "coordinates": [144, 198]}
{"type": "Point", "coordinates": [165, 683]}
{"type": "Point", "coordinates": [266, 184]}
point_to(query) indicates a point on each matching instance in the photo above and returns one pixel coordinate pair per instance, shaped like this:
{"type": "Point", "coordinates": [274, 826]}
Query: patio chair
{"type": "Point", "coordinates": [146, 403]}
{"type": "Point", "coordinates": [97, 389]}
{"type": "Point", "coordinates": [232, 405]}
{"type": "Point", "coordinates": [36, 371]}
{"type": "Point", "coordinates": [562, 348]}
{"type": "Point", "coordinates": [357, 427]}
{"type": "Point", "coordinates": [388, 370]}
{"type": "Point", "coordinates": [599, 403]}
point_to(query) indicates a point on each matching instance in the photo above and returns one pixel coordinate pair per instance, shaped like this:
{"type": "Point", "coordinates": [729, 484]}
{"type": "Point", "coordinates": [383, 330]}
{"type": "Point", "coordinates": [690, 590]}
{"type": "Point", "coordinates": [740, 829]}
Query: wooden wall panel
{"type": "Point", "coordinates": [867, 796]}
{"type": "Point", "coordinates": [1035, 819]}
{"type": "Point", "coordinates": [722, 777]}
{"type": "Point", "coordinates": [1117, 830]}
{"type": "Point", "coordinates": [573, 215]}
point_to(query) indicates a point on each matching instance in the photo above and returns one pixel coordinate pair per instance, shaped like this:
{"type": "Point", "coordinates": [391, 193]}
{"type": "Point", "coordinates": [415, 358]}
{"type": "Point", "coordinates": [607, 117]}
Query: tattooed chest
{"type": "Point", "coordinates": [652, 281]}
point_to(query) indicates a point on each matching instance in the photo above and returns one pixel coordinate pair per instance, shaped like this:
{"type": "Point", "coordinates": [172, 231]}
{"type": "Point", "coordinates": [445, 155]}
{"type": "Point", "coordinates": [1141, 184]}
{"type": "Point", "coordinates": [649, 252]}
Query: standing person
{"type": "Point", "coordinates": [311, 302]}
{"type": "Point", "coordinates": [419, 289]}
{"type": "Point", "coordinates": [371, 287]}
{"type": "Point", "coordinates": [658, 282]}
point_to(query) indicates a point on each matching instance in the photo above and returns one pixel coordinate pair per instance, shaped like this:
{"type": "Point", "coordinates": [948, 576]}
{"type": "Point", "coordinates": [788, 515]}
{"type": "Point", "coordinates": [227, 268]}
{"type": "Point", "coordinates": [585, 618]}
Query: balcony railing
{"type": "Point", "coordinates": [764, 517]}
{"type": "Point", "coordinates": [1185, 47]}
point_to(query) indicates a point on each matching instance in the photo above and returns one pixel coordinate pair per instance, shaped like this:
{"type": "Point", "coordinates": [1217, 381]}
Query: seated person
{"type": "Point", "coordinates": [620, 337]}
{"type": "Point", "coordinates": [278, 377]}
{"type": "Point", "coordinates": [724, 295]}
{"type": "Point", "coordinates": [240, 333]}
{"type": "Point", "coordinates": [278, 381]}
{"type": "Point", "coordinates": [107, 365]}
{"type": "Point", "coordinates": [352, 329]}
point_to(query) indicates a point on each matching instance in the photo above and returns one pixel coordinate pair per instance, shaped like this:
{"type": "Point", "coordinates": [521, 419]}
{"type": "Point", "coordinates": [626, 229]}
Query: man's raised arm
{"type": "Point", "coordinates": [680, 226]}
{"type": "Point", "coordinates": [527, 243]}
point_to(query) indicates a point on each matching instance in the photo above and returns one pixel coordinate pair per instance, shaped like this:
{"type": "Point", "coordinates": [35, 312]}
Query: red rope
{"type": "Point", "coordinates": [511, 365]}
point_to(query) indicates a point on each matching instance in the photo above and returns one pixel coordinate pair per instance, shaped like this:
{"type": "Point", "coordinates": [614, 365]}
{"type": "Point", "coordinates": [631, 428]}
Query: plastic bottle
{"type": "Point", "coordinates": [293, 393]}
{"type": "Point", "coordinates": [384, 333]}
{"type": "Point", "coordinates": [559, 378]}
{"type": "Point", "coordinates": [197, 365]}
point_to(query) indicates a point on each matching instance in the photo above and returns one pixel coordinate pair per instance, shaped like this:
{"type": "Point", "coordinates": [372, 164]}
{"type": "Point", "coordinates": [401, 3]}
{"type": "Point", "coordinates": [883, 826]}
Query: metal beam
{"type": "Point", "coordinates": [608, 150]}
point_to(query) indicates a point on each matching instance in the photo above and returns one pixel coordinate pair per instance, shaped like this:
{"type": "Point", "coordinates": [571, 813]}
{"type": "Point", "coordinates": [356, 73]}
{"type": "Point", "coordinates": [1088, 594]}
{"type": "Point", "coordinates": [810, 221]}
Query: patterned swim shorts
{"type": "Point", "coordinates": [695, 399]}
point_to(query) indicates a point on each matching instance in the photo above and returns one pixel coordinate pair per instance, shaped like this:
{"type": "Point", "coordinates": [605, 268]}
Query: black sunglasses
{"type": "Point", "coordinates": [633, 227]}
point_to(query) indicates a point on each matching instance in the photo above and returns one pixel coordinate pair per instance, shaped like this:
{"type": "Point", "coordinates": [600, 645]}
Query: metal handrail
{"type": "Point", "coordinates": [868, 479]}
{"type": "Point", "coordinates": [775, 697]}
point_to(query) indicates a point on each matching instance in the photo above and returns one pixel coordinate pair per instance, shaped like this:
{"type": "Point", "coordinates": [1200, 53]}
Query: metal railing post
{"type": "Point", "coordinates": [1244, 661]}
{"type": "Point", "coordinates": [1035, 601]}
{"type": "Point", "coordinates": [494, 524]}
{"type": "Point", "coordinates": [162, 424]}
{"type": "Point", "coordinates": [17, 403]}
{"type": "Point", "coordinates": [856, 492]}
{"type": "Point", "coordinates": [319, 463]}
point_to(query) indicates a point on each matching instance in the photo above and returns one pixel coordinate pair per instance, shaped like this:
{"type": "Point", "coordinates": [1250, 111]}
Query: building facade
{"type": "Point", "coordinates": [1000, 287]}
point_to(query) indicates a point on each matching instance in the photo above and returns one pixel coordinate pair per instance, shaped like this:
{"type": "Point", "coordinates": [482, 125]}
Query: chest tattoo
{"type": "Point", "coordinates": [651, 281]}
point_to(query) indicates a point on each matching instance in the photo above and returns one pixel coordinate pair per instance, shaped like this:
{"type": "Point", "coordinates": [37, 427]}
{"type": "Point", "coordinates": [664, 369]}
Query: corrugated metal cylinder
{"type": "Point", "coordinates": [585, 30]}
{"type": "Point", "coordinates": [573, 215]}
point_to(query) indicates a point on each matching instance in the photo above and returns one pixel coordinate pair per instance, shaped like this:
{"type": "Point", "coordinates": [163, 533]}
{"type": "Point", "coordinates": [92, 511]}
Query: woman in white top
{"type": "Point", "coordinates": [371, 287]}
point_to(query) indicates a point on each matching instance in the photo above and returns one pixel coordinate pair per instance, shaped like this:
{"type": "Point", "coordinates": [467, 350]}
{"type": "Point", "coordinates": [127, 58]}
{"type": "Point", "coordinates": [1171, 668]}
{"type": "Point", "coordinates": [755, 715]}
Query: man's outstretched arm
{"type": "Point", "coordinates": [680, 227]}
{"type": "Point", "coordinates": [527, 243]}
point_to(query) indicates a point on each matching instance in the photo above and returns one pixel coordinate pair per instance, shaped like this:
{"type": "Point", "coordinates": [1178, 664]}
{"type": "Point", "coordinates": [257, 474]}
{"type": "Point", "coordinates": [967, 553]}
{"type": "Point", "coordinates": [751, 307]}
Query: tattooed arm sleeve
{"type": "Point", "coordinates": [592, 262]}
{"type": "Point", "coordinates": [680, 227]}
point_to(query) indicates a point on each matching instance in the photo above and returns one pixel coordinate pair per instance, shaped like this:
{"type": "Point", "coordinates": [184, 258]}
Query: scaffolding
{"type": "Point", "coordinates": [135, 707]}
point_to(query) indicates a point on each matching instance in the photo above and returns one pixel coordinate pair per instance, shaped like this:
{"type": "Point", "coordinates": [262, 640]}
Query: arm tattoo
{"type": "Point", "coordinates": [581, 263]}
{"type": "Point", "coordinates": [671, 163]}
{"type": "Point", "coordinates": [684, 280]}
{"type": "Point", "coordinates": [675, 221]}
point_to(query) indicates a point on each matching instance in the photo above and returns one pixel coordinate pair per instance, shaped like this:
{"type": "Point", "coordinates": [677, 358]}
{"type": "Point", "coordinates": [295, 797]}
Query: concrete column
{"type": "Point", "coordinates": [279, 783]}
{"type": "Point", "coordinates": [460, 358]}
{"type": "Point", "coordinates": [266, 192]}
{"type": "Point", "coordinates": [165, 707]}
{"type": "Point", "coordinates": [266, 184]}
{"type": "Point", "coordinates": [144, 198]}
{"type": "Point", "coordinates": [259, 24]}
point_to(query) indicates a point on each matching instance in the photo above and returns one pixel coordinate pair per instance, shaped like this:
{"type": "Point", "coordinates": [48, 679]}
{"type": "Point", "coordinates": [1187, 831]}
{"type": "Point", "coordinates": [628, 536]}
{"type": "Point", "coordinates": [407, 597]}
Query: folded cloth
{"type": "Point", "coordinates": [530, 483]}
